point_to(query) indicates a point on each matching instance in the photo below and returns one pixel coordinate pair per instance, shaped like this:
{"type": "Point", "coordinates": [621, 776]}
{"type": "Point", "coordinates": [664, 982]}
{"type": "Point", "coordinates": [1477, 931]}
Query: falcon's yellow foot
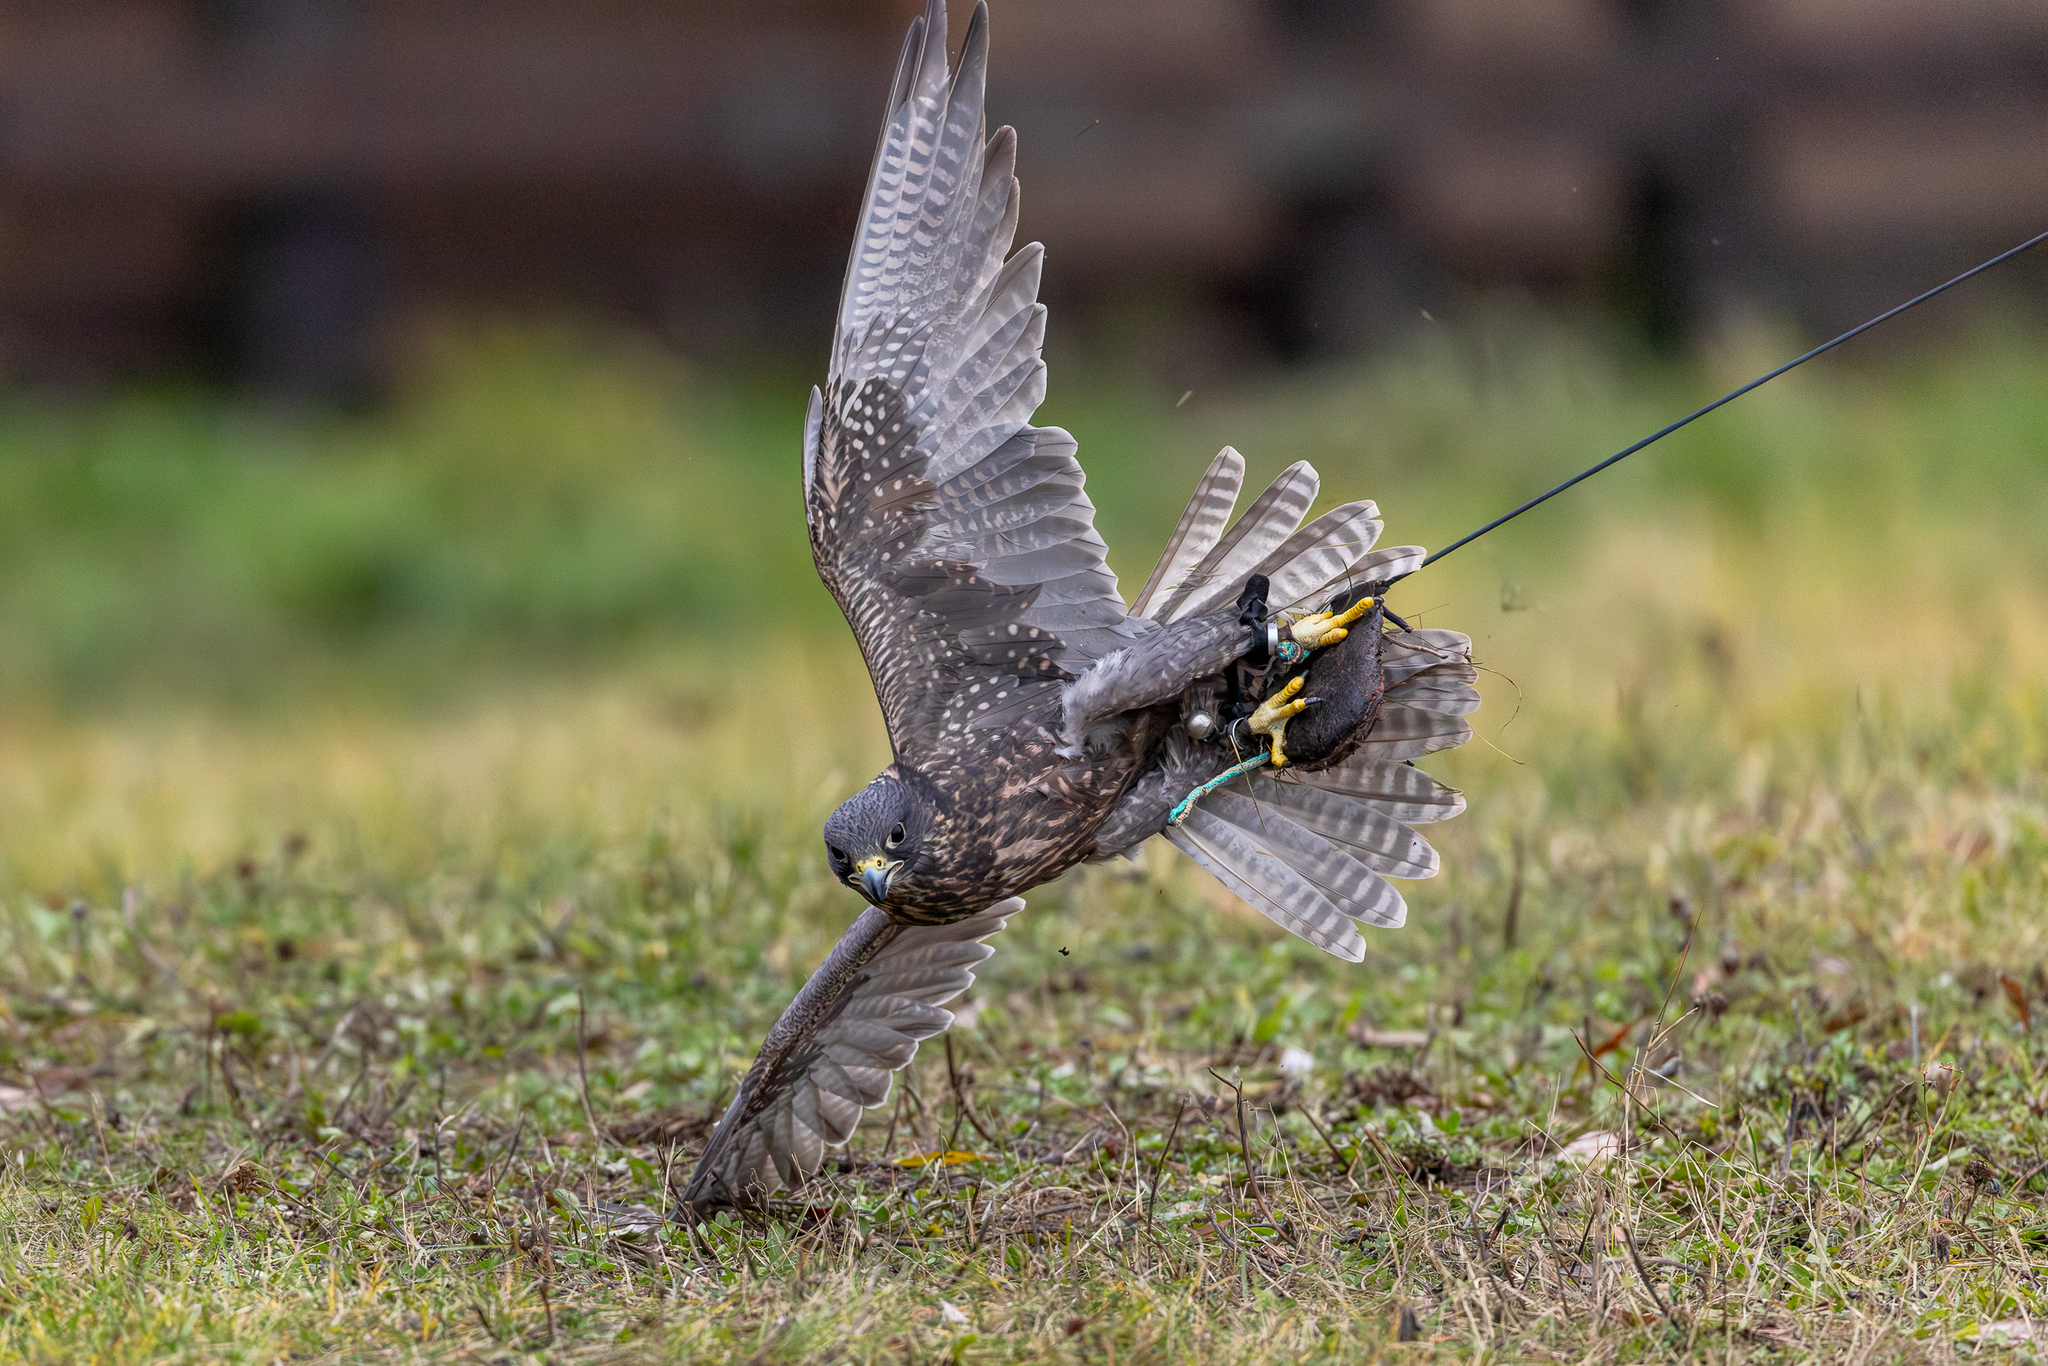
{"type": "Point", "coordinates": [1272, 716]}
{"type": "Point", "coordinates": [1327, 628]}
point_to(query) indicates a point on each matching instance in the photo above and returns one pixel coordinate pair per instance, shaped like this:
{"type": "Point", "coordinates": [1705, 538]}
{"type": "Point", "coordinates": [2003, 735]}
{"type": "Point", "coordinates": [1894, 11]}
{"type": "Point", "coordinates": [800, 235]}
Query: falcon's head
{"type": "Point", "coordinates": [874, 838]}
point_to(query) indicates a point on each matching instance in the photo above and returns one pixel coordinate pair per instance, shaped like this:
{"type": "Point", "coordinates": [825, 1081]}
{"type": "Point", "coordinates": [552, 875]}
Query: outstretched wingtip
{"type": "Point", "coordinates": [906, 67]}
{"type": "Point", "coordinates": [923, 62]}
{"type": "Point", "coordinates": [974, 49]}
{"type": "Point", "coordinates": [932, 63]}
{"type": "Point", "coordinates": [853, 1026]}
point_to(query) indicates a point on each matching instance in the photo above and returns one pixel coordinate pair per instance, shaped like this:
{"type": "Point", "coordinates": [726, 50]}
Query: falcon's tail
{"type": "Point", "coordinates": [1313, 851]}
{"type": "Point", "coordinates": [1206, 565]}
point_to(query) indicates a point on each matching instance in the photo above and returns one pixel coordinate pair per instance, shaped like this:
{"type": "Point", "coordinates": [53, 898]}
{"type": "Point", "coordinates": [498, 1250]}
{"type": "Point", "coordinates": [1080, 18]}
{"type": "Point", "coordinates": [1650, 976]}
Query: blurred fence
{"type": "Point", "coordinates": [270, 185]}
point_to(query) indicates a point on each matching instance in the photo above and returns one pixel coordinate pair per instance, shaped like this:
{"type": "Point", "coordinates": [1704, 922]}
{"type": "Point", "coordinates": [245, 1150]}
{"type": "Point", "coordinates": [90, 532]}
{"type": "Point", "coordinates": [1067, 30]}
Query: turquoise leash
{"type": "Point", "coordinates": [1187, 803]}
{"type": "Point", "coordinates": [1286, 655]}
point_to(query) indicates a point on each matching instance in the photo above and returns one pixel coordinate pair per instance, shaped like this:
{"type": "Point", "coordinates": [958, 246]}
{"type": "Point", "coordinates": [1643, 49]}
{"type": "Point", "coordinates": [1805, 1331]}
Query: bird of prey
{"type": "Point", "coordinates": [1036, 719]}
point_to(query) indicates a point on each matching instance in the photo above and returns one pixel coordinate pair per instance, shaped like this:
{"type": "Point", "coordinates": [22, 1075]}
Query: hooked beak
{"type": "Point", "coordinates": [875, 876]}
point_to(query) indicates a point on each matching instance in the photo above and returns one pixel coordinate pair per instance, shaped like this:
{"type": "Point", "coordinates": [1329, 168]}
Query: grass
{"type": "Point", "coordinates": [357, 969]}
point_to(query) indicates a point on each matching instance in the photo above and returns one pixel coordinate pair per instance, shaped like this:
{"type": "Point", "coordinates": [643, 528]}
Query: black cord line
{"type": "Point", "coordinates": [1728, 397]}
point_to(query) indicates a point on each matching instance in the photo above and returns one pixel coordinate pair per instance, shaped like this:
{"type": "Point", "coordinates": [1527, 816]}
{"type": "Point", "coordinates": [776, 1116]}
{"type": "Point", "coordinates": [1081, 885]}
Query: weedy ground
{"type": "Point", "coordinates": [350, 1021]}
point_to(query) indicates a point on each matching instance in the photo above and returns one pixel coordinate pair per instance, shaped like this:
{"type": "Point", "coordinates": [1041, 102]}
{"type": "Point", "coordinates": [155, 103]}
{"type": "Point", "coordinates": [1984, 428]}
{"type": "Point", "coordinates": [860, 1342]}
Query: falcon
{"type": "Point", "coordinates": [1255, 703]}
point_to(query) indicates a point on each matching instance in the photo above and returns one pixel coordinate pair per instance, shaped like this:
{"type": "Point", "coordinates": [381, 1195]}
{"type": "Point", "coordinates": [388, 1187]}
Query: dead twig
{"type": "Point", "coordinates": [583, 1077]}
{"type": "Point", "coordinates": [1244, 1147]}
{"type": "Point", "coordinates": [1640, 1103]}
{"type": "Point", "coordinates": [960, 1097]}
{"type": "Point", "coordinates": [1330, 1143]}
{"type": "Point", "coordinates": [1159, 1169]}
{"type": "Point", "coordinates": [1643, 1274]}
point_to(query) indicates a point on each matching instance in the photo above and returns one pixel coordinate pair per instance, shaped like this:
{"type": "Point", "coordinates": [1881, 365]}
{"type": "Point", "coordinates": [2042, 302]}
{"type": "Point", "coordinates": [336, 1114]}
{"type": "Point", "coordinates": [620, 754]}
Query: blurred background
{"type": "Point", "coordinates": [372, 373]}
{"type": "Point", "coordinates": [269, 191]}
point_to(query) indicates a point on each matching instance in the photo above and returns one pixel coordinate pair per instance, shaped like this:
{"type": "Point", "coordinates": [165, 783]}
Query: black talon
{"type": "Point", "coordinates": [1251, 612]}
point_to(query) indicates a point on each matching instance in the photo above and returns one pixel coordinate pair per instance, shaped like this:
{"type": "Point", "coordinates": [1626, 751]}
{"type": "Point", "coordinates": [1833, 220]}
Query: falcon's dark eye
{"type": "Point", "coordinates": [896, 835]}
{"type": "Point", "coordinates": [840, 863]}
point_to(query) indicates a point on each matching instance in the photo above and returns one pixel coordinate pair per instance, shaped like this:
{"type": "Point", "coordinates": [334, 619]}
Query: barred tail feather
{"type": "Point", "coordinates": [1204, 566]}
{"type": "Point", "coordinates": [1431, 689]}
{"type": "Point", "coordinates": [1399, 791]}
{"type": "Point", "coordinates": [1200, 527]}
{"type": "Point", "coordinates": [1377, 840]}
{"type": "Point", "coordinates": [1215, 580]}
{"type": "Point", "coordinates": [1313, 851]}
{"type": "Point", "coordinates": [1319, 554]}
{"type": "Point", "coordinates": [1265, 878]}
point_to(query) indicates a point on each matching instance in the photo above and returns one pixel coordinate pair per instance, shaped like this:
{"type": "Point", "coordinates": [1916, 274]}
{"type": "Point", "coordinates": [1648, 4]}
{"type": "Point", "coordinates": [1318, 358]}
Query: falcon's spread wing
{"type": "Point", "coordinates": [856, 1023]}
{"type": "Point", "coordinates": [955, 535]}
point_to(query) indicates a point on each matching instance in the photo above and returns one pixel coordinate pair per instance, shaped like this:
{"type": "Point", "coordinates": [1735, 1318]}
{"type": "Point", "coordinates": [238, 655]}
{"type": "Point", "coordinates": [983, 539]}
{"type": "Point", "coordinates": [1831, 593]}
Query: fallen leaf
{"type": "Point", "coordinates": [2012, 1330]}
{"type": "Point", "coordinates": [1592, 1148]}
{"type": "Point", "coordinates": [1615, 1040]}
{"type": "Point", "coordinates": [49, 1083]}
{"type": "Point", "coordinates": [244, 1177]}
{"type": "Point", "coordinates": [2017, 994]}
{"type": "Point", "coordinates": [949, 1158]}
{"type": "Point", "coordinates": [1851, 1014]}
{"type": "Point", "coordinates": [951, 1313]}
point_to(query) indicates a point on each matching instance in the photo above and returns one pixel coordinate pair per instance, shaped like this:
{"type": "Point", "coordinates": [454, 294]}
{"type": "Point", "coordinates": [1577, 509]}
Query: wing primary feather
{"type": "Point", "coordinates": [899, 94]}
{"type": "Point", "coordinates": [858, 1019]}
{"type": "Point", "coordinates": [920, 453]}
